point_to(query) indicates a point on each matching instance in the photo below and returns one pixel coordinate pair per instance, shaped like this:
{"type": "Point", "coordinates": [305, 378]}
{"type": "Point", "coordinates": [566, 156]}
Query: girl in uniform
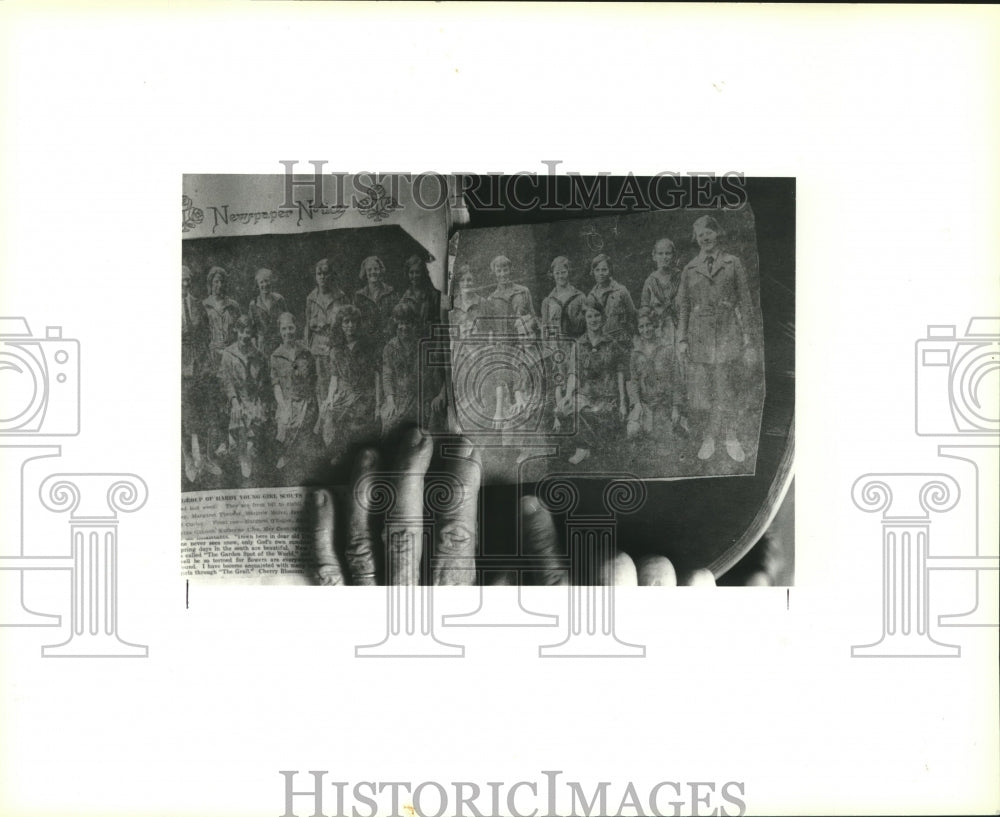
{"type": "Point", "coordinates": [426, 300]}
{"type": "Point", "coordinates": [375, 300]}
{"type": "Point", "coordinates": [713, 336]}
{"type": "Point", "coordinates": [222, 313]}
{"type": "Point", "coordinates": [265, 310]}
{"type": "Point", "coordinates": [245, 381]}
{"type": "Point", "coordinates": [616, 302]}
{"type": "Point", "coordinates": [562, 308]}
{"type": "Point", "coordinates": [348, 408]}
{"type": "Point", "coordinates": [595, 387]}
{"type": "Point", "coordinates": [653, 387]}
{"type": "Point", "coordinates": [659, 293]}
{"type": "Point", "coordinates": [282, 368]}
{"type": "Point", "coordinates": [322, 331]}
{"type": "Point", "coordinates": [297, 435]}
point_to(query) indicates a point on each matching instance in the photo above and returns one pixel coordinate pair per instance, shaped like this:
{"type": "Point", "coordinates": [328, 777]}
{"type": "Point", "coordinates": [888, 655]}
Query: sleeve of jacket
{"type": "Point", "coordinates": [683, 302]}
{"type": "Point", "coordinates": [743, 304]}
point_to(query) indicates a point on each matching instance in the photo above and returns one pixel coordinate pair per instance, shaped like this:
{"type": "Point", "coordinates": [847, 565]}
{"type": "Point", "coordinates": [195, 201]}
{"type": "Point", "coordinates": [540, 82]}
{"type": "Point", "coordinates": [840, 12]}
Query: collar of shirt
{"type": "Point", "coordinates": [465, 304]}
{"type": "Point", "coordinates": [220, 306]}
{"type": "Point", "coordinates": [383, 291]}
{"type": "Point", "coordinates": [716, 254]}
{"type": "Point", "coordinates": [239, 354]}
{"type": "Point", "coordinates": [570, 293]}
{"type": "Point", "coordinates": [335, 296]}
{"type": "Point", "coordinates": [287, 352]}
{"type": "Point", "coordinates": [267, 306]}
{"type": "Point", "coordinates": [507, 292]}
{"type": "Point", "coordinates": [601, 340]}
{"type": "Point", "coordinates": [612, 286]}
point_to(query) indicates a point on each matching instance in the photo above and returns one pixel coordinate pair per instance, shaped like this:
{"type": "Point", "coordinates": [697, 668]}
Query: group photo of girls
{"type": "Point", "coordinates": [295, 348]}
{"type": "Point", "coordinates": [632, 342]}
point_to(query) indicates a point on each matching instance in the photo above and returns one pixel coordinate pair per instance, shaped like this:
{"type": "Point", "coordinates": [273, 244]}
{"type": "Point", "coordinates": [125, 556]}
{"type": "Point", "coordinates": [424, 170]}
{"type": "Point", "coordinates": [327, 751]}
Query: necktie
{"type": "Point", "coordinates": [709, 261]}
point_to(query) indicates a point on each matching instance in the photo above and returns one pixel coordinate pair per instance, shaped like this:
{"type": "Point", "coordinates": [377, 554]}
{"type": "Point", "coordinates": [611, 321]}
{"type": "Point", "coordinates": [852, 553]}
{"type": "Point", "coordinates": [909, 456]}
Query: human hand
{"type": "Point", "coordinates": [542, 542]}
{"type": "Point", "coordinates": [355, 560]}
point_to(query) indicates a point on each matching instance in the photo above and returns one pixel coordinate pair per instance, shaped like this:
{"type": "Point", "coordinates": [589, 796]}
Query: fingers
{"type": "Point", "coordinates": [619, 571]}
{"type": "Point", "coordinates": [328, 570]}
{"type": "Point", "coordinates": [455, 542]}
{"type": "Point", "coordinates": [541, 542]}
{"type": "Point", "coordinates": [360, 550]}
{"type": "Point", "coordinates": [405, 524]}
{"type": "Point", "coordinates": [657, 571]}
{"type": "Point", "coordinates": [699, 578]}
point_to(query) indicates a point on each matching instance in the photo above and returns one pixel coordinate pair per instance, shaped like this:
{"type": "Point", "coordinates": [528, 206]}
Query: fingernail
{"type": "Point", "coordinates": [701, 577]}
{"type": "Point", "coordinates": [320, 498]}
{"type": "Point", "coordinates": [414, 438]}
{"type": "Point", "coordinates": [464, 448]}
{"type": "Point", "coordinates": [368, 457]}
{"type": "Point", "coordinates": [530, 504]}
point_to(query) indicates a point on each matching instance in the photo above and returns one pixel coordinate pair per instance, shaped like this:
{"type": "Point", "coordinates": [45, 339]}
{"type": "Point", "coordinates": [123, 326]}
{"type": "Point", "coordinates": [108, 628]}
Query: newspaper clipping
{"type": "Point", "coordinates": [303, 302]}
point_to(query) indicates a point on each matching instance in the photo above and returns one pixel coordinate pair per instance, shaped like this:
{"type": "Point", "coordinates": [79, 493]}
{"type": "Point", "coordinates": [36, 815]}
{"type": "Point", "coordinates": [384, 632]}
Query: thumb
{"type": "Point", "coordinates": [541, 543]}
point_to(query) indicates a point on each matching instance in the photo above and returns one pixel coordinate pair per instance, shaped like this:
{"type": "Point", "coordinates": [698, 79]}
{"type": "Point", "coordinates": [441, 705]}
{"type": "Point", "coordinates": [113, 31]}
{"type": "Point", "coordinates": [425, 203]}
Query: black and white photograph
{"type": "Point", "coordinates": [298, 347]}
{"type": "Point", "coordinates": [632, 343]}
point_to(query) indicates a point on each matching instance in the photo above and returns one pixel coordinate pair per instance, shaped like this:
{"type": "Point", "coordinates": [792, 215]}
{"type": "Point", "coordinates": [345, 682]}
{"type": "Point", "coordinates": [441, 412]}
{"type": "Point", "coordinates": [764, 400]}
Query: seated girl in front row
{"type": "Point", "coordinates": [244, 380]}
{"type": "Point", "coordinates": [595, 387]}
{"type": "Point", "coordinates": [348, 412]}
{"type": "Point", "coordinates": [654, 386]}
